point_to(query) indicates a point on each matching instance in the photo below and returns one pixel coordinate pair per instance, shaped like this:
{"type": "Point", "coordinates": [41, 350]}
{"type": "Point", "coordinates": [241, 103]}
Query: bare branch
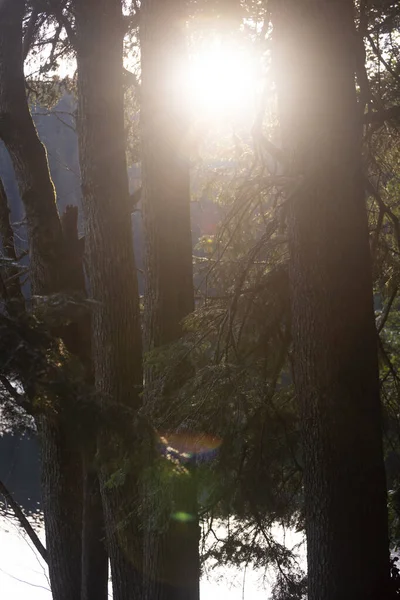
{"type": "Point", "coordinates": [386, 312]}
{"type": "Point", "coordinates": [64, 21]}
{"type": "Point", "coordinates": [378, 53]}
{"type": "Point", "coordinates": [30, 32]}
{"type": "Point", "coordinates": [23, 521]}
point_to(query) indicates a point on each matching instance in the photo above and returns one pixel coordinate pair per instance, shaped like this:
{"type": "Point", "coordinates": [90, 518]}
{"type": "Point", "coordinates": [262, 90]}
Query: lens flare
{"type": "Point", "coordinates": [187, 446]}
{"type": "Point", "coordinates": [183, 517]}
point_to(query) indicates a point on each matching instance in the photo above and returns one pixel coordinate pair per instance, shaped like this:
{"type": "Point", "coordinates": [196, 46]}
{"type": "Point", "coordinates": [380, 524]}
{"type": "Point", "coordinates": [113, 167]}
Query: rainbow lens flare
{"type": "Point", "coordinates": [187, 446]}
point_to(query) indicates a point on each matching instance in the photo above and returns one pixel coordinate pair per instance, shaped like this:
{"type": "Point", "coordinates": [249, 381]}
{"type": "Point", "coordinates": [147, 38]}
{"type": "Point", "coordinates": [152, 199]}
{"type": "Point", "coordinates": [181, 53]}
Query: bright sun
{"type": "Point", "coordinates": [223, 81]}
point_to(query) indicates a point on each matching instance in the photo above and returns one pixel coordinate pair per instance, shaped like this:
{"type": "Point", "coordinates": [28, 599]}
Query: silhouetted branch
{"type": "Point", "coordinates": [31, 29]}
{"type": "Point", "coordinates": [23, 521]}
{"type": "Point", "coordinates": [58, 12]}
{"type": "Point", "coordinates": [381, 59]}
{"type": "Point", "coordinates": [386, 312]}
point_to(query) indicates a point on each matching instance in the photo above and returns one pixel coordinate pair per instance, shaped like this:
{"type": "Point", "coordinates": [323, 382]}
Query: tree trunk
{"type": "Point", "coordinates": [77, 338]}
{"type": "Point", "coordinates": [13, 297]}
{"type": "Point", "coordinates": [61, 466]}
{"type": "Point", "coordinates": [94, 552]}
{"type": "Point", "coordinates": [334, 336]}
{"type": "Point", "coordinates": [171, 559]}
{"type": "Point", "coordinates": [116, 334]}
{"type": "Point", "coordinates": [165, 172]}
{"type": "Point", "coordinates": [55, 265]}
{"type": "Point", "coordinates": [62, 506]}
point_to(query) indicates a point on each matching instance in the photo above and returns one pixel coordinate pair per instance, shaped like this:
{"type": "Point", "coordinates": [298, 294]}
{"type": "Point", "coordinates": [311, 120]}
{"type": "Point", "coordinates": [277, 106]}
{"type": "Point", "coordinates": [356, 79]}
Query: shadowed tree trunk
{"type": "Point", "coordinates": [53, 268]}
{"type": "Point", "coordinates": [116, 334]}
{"type": "Point", "coordinates": [77, 338]}
{"type": "Point", "coordinates": [94, 551]}
{"type": "Point", "coordinates": [61, 467]}
{"type": "Point", "coordinates": [335, 343]}
{"type": "Point", "coordinates": [171, 559]}
{"type": "Point", "coordinates": [12, 294]}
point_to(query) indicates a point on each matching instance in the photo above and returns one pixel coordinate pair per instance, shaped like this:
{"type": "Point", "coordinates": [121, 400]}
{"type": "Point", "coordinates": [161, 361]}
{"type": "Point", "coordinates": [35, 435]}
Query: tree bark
{"type": "Point", "coordinates": [62, 507]}
{"type": "Point", "coordinates": [334, 336]}
{"type": "Point", "coordinates": [171, 559]}
{"type": "Point", "coordinates": [61, 467]}
{"type": "Point", "coordinates": [94, 551]}
{"type": "Point", "coordinates": [55, 265]}
{"type": "Point", "coordinates": [14, 299]}
{"type": "Point", "coordinates": [116, 333]}
{"type": "Point", "coordinates": [77, 338]}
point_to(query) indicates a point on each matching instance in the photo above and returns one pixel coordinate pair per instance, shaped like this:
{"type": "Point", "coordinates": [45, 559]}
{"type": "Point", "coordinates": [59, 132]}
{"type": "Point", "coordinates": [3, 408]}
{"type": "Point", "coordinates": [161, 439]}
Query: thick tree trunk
{"type": "Point", "coordinates": [335, 344]}
{"type": "Point", "coordinates": [171, 559]}
{"type": "Point", "coordinates": [116, 334]}
{"type": "Point", "coordinates": [61, 466]}
{"type": "Point", "coordinates": [165, 172]}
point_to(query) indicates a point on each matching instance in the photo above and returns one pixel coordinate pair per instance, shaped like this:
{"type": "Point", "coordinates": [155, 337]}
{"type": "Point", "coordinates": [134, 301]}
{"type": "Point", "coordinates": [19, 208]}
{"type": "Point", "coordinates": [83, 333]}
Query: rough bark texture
{"type": "Point", "coordinates": [171, 559]}
{"type": "Point", "coordinates": [77, 338]}
{"type": "Point", "coordinates": [335, 344]}
{"type": "Point", "coordinates": [62, 506]}
{"type": "Point", "coordinates": [94, 552]}
{"type": "Point", "coordinates": [116, 335]}
{"type": "Point", "coordinates": [61, 466]}
{"type": "Point", "coordinates": [11, 289]}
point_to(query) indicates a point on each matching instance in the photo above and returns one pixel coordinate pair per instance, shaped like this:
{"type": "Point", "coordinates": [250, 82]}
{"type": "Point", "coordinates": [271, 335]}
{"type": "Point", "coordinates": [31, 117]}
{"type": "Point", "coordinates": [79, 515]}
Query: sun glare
{"type": "Point", "coordinates": [223, 81]}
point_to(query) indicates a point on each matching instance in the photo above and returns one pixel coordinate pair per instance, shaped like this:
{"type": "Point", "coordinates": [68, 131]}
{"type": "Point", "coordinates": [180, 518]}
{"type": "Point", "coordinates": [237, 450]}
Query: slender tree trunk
{"type": "Point", "coordinates": [77, 338]}
{"type": "Point", "coordinates": [62, 506]}
{"type": "Point", "coordinates": [116, 334]}
{"type": "Point", "coordinates": [94, 552]}
{"type": "Point", "coordinates": [171, 559]}
{"type": "Point", "coordinates": [335, 344]}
